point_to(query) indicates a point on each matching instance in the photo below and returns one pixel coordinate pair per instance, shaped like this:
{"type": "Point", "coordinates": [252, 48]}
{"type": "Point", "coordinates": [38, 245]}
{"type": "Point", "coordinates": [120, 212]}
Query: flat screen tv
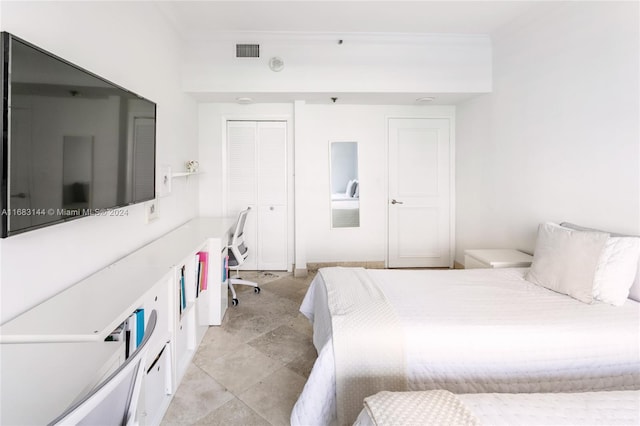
{"type": "Point", "coordinates": [73, 143]}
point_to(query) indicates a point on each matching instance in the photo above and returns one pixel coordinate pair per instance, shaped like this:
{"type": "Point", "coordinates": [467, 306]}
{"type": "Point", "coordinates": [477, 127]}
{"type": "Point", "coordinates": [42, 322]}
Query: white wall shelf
{"type": "Point", "coordinates": [183, 174]}
{"type": "Point", "coordinates": [119, 289]}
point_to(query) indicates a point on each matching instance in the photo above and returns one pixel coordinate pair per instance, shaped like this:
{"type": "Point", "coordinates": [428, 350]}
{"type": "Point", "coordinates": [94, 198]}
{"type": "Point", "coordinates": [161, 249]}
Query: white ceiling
{"type": "Point", "coordinates": [210, 20]}
{"type": "Point", "coordinates": [195, 20]}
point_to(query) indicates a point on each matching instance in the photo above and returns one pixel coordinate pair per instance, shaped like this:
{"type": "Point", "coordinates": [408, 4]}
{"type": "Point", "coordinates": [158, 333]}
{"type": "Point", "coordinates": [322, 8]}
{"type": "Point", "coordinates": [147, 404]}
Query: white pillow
{"type": "Point", "coordinates": [349, 187]}
{"type": "Point", "coordinates": [565, 260]}
{"type": "Point", "coordinates": [354, 189]}
{"type": "Point", "coordinates": [616, 270]}
{"type": "Point", "coordinates": [634, 291]}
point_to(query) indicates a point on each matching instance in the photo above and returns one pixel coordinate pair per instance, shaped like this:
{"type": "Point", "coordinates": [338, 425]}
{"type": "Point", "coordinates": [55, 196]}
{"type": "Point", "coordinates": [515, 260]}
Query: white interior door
{"type": "Point", "coordinates": [419, 193]}
{"type": "Point", "coordinates": [257, 178]}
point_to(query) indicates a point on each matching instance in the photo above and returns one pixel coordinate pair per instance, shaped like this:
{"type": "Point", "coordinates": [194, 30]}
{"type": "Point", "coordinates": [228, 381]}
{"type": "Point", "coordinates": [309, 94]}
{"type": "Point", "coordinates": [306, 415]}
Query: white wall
{"type": "Point", "coordinates": [364, 63]}
{"type": "Point", "coordinates": [558, 139]}
{"type": "Point", "coordinates": [366, 124]}
{"type": "Point", "coordinates": [130, 44]}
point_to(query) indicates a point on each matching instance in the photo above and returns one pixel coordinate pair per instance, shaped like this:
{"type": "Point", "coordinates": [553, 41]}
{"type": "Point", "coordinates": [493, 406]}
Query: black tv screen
{"type": "Point", "coordinates": [73, 144]}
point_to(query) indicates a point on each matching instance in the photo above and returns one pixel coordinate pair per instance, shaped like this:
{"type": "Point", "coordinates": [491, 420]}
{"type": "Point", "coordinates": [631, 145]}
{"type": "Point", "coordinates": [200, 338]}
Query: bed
{"type": "Point", "coordinates": [345, 212]}
{"type": "Point", "coordinates": [465, 331]}
{"type": "Point", "coordinates": [524, 409]}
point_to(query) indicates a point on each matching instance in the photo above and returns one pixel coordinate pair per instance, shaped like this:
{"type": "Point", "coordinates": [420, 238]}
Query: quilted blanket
{"type": "Point", "coordinates": [483, 331]}
{"type": "Point", "coordinates": [434, 408]}
{"type": "Point", "coordinates": [604, 408]}
{"type": "Point", "coordinates": [361, 317]}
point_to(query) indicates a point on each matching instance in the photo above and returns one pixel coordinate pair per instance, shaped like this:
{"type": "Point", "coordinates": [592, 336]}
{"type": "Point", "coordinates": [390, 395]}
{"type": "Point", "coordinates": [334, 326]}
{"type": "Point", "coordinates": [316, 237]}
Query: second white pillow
{"type": "Point", "coordinates": [616, 270]}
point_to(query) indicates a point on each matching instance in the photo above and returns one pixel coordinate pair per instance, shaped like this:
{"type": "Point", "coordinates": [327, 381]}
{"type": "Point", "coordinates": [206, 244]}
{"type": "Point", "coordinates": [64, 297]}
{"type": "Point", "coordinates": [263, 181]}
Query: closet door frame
{"type": "Point", "coordinates": [288, 118]}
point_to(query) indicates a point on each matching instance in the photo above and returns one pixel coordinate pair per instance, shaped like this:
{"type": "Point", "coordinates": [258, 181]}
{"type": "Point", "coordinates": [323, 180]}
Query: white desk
{"type": "Point", "coordinates": [55, 353]}
{"type": "Point", "coordinates": [92, 308]}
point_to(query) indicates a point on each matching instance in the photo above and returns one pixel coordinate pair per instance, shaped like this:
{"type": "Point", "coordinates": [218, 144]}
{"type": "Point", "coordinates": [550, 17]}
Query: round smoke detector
{"type": "Point", "coordinates": [276, 64]}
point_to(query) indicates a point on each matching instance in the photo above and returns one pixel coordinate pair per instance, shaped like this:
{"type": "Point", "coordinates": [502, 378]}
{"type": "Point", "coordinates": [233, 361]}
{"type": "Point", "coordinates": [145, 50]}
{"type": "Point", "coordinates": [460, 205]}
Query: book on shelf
{"type": "Point", "coordinates": [225, 268]}
{"type": "Point", "coordinates": [198, 277]}
{"type": "Point", "coordinates": [203, 267]}
{"type": "Point", "coordinates": [183, 289]}
{"type": "Point", "coordinates": [116, 335]}
{"type": "Point", "coordinates": [179, 297]}
{"type": "Point", "coordinates": [139, 313]}
{"type": "Point", "coordinates": [131, 331]}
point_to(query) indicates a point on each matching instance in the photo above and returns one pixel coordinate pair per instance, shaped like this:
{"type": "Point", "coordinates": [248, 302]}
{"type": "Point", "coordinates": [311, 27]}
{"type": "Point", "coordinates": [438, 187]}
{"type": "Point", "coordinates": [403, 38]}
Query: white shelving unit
{"type": "Point", "coordinates": [66, 328]}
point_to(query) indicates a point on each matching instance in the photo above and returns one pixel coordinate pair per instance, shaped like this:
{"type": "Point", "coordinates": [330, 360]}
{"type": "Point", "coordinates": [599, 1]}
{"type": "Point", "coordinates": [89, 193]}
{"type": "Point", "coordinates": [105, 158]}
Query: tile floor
{"type": "Point", "coordinates": [252, 368]}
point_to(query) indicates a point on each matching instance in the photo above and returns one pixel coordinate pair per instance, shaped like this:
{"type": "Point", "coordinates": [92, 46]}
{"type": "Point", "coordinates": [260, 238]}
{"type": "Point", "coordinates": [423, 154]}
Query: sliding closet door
{"type": "Point", "coordinates": [257, 178]}
{"type": "Point", "coordinates": [272, 195]}
{"type": "Point", "coordinates": [241, 181]}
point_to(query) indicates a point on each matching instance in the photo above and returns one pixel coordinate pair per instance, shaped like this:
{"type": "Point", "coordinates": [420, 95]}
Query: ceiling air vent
{"type": "Point", "coordinates": [247, 50]}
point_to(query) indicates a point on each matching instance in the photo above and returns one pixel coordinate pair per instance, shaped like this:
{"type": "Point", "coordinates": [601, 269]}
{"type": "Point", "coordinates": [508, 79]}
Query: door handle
{"type": "Point", "coordinates": [396, 202]}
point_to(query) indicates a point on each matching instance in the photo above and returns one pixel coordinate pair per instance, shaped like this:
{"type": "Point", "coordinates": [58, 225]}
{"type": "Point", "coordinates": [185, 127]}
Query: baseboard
{"type": "Point", "coordinates": [300, 272]}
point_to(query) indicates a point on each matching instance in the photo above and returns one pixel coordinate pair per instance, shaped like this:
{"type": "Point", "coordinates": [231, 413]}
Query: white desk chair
{"type": "Point", "coordinates": [238, 253]}
{"type": "Point", "coordinates": [114, 401]}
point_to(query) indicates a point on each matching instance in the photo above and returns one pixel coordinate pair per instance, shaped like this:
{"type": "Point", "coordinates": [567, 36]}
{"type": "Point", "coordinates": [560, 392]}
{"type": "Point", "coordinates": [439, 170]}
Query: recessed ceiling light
{"type": "Point", "coordinates": [244, 100]}
{"type": "Point", "coordinates": [425, 99]}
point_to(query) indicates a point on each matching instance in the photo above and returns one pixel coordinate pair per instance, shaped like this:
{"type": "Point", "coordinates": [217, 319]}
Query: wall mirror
{"type": "Point", "coordinates": [345, 185]}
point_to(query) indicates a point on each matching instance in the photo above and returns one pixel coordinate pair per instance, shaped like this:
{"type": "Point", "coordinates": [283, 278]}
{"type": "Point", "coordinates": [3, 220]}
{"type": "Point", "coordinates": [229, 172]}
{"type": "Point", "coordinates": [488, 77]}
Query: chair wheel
{"type": "Point", "coordinates": [256, 290]}
{"type": "Point", "coordinates": [234, 302]}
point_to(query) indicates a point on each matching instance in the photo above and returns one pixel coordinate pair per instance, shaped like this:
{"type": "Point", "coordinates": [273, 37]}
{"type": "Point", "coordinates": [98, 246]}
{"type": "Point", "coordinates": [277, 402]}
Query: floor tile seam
{"type": "Point", "coordinates": [279, 366]}
{"type": "Point", "coordinates": [208, 375]}
{"type": "Point", "coordinates": [284, 323]}
{"type": "Point", "coordinates": [233, 395]}
{"type": "Point", "coordinates": [262, 335]}
{"type": "Point", "coordinates": [235, 347]}
{"type": "Point", "coordinates": [284, 367]}
{"type": "Point", "coordinates": [214, 379]}
{"type": "Point", "coordinates": [229, 354]}
{"type": "Point", "coordinates": [252, 409]}
{"type": "Point", "coordinates": [242, 395]}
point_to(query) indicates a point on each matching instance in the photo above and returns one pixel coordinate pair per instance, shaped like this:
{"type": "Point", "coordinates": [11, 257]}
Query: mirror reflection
{"type": "Point", "coordinates": [345, 185]}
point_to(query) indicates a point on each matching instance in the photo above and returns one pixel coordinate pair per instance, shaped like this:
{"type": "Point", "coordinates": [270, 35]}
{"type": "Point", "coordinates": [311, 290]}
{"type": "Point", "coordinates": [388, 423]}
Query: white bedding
{"type": "Point", "coordinates": [558, 409]}
{"type": "Point", "coordinates": [340, 196]}
{"type": "Point", "coordinates": [346, 204]}
{"type": "Point", "coordinates": [345, 213]}
{"type": "Point", "coordinates": [486, 330]}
